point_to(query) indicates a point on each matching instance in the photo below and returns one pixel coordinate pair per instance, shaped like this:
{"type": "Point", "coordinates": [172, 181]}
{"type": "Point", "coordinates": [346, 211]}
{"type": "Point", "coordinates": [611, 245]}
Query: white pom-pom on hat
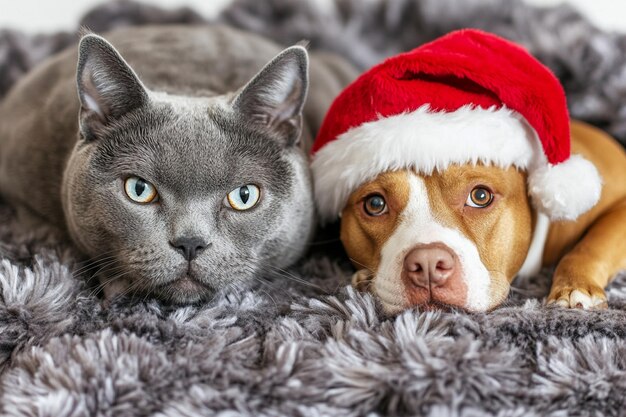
{"type": "Point", "coordinates": [566, 190]}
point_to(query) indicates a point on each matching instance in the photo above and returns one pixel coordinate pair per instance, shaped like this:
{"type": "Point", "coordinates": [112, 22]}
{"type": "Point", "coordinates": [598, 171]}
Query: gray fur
{"type": "Point", "coordinates": [316, 348]}
{"type": "Point", "coordinates": [196, 122]}
{"type": "Point", "coordinates": [299, 349]}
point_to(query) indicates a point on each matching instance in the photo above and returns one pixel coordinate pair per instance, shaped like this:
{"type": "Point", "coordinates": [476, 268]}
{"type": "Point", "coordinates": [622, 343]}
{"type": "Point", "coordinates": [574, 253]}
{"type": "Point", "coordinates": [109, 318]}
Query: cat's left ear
{"type": "Point", "coordinates": [108, 88]}
{"type": "Point", "coordinates": [274, 98]}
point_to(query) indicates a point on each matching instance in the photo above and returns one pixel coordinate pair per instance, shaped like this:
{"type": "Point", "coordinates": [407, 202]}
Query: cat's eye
{"type": "Point", "coordinates": [243, 198]}
{"type": "Point", "coordinates": [375, 205]}
{"type": "Point", "coordinates": [479, 197]}
{"type": "Point", "coordinates": [140, 191]}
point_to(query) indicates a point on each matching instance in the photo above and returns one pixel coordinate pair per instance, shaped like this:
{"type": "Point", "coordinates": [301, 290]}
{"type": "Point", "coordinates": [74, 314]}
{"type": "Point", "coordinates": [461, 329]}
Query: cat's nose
{"type": "Point", "coordinates": [189, 247]}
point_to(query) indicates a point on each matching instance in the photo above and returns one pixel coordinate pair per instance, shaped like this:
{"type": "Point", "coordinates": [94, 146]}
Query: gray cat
{"type": "Point", "coordinates": [185, 177]}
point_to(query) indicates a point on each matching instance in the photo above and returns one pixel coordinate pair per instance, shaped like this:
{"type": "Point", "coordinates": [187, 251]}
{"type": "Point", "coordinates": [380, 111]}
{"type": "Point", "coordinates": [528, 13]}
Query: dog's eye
{"type": "Point", "coordinates": [479, 197]}
{"type": "Point", "coordinates": [243, 198]}
{"type": "Point", "coordinates": [375, 205]}
{"type": "Point", "coordinates": [140, 191]}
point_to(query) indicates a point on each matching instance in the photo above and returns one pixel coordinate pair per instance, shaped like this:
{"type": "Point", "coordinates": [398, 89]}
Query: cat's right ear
{"type": "Point", "coordinates": [108, 87]}
{"type": "Point", "coordinates": [275, 97]}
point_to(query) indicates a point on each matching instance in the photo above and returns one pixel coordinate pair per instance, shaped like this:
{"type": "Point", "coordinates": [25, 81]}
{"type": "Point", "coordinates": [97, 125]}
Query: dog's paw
{"type": "Point", "coordinates": [586, 298]}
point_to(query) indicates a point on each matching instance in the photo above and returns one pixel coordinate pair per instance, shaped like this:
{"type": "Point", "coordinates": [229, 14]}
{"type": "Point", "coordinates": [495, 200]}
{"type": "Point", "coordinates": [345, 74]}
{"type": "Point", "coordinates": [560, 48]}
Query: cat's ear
{"type": "Point", "coordinates": [108, 88]}
{"type": "Point", "coordinates": [274, 98]}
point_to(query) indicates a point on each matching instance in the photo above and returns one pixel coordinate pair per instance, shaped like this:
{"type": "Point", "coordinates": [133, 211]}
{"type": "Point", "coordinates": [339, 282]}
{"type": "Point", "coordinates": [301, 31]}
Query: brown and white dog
{"type": "Point", "coordinates": [460, 236]}
{"type": "Point", "coordinates": [445, 197]}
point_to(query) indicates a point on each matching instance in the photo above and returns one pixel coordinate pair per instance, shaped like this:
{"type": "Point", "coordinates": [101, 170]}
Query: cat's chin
{"type": "Point", "coordinates": [184, 290]}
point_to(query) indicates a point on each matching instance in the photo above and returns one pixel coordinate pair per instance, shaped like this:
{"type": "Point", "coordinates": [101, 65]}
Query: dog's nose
{"type": "Point", "coordinates": [189, 247]}
{"type": "Point", "coordinates": [430, 265]}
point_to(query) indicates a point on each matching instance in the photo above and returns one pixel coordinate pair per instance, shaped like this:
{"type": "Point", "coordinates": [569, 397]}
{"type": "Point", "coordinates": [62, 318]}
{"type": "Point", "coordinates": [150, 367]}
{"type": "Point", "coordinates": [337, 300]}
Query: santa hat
{"type": "Point", "coordinates": [468, 97]}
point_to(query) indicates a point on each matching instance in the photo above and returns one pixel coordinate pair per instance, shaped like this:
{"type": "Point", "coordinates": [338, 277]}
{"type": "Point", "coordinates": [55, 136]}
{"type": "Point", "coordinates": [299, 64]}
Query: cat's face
{"type": "Point", "coordinates": [180, 197]}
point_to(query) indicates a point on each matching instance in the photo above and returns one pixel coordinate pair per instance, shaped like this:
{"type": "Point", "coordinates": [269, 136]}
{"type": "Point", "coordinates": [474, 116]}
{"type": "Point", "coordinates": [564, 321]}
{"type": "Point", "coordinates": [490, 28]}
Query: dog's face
{"type": "Point", "coordinates": [456, 237]}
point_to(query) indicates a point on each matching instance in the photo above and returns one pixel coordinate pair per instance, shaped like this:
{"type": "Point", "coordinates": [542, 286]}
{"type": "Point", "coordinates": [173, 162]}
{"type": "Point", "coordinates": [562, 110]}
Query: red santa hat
{"type": "Point", "coordinates": [468, 97]}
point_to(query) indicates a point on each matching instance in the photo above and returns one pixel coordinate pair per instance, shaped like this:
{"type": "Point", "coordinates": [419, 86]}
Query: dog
{"type": "Point", "coordinates": [457, 168]}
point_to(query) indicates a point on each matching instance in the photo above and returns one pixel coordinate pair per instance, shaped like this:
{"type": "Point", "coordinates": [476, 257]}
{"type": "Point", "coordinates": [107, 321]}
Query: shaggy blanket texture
{"type": "Point", "coordinates": [303, 343]}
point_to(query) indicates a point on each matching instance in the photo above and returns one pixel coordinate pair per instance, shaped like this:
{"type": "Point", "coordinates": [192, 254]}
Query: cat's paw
{"type": "Point", "coordinates": [585, 297]}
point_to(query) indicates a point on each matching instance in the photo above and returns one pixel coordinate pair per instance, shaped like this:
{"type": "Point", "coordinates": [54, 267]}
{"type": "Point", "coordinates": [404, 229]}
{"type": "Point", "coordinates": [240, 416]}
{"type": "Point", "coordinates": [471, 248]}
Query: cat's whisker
{"type": "Point", "coordinates": [100, 286]}
{"type": "Point", "coordinates": [109, 267]}
{"type": "Point", "coordinates": [93, 264]}
{"type": "Point", "coordinates": [146, 295]}
{"type": "Point", "coordinates": [263, 282]}
{"type": "Point", "coordinates": [106, 282]}
{"type": "Point", "coordinates": [94, 258]}
{"type": "Point", "coordinates": [134, 286]}
{"type": "Point", "coordinates": [286, 274]}
{"type": "Point", "coordinates": [102, 267]}
{"type": "Point", "coordinates": [111, 270]}
{"type": "Point", "coordinates": [86, 269]}
{"type": "Point", "coordinates": [271, 298]}
{"type": "Point", "coordinates": [98, 257]}
{"type": "Point", "coordinates": [270, 284]}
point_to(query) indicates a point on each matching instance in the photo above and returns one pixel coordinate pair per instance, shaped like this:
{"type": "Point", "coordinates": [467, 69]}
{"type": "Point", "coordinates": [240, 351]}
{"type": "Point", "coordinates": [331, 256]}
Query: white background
{"type": "Point", "coordinates": [49, 15]}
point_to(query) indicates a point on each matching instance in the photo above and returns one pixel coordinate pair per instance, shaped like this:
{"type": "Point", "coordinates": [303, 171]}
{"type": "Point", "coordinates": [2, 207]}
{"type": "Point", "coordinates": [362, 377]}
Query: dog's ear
{"type": "Point", "coordinates": [108, 88]}
{"type": "Point", "coordinates": [274, 98]}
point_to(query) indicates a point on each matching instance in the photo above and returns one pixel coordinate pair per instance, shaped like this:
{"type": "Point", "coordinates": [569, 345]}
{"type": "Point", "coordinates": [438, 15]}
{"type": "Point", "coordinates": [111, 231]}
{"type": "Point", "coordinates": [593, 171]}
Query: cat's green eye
{"type": "Point", "coordinates": [243, 198]}
{"type": "Point", "coordinates": [140, 191]}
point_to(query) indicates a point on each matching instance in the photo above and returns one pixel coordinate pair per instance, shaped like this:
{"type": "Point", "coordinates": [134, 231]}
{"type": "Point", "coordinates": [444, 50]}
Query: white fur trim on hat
{"type": "Point", "coordinates": [427, 141]}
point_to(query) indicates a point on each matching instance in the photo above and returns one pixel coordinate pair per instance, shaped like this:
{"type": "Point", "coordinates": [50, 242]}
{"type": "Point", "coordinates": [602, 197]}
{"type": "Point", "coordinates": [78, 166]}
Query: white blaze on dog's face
{"type": "Point", "coordinates": [456, 237]}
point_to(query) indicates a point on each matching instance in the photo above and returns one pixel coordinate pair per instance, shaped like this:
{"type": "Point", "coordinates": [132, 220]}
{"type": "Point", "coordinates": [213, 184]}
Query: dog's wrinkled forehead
{"type": "Point", "coordinates": [201, 147]}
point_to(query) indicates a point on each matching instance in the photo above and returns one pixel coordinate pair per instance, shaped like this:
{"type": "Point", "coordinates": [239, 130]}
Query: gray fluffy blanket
{"type": "Point", "coordinates": [302, 343]}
